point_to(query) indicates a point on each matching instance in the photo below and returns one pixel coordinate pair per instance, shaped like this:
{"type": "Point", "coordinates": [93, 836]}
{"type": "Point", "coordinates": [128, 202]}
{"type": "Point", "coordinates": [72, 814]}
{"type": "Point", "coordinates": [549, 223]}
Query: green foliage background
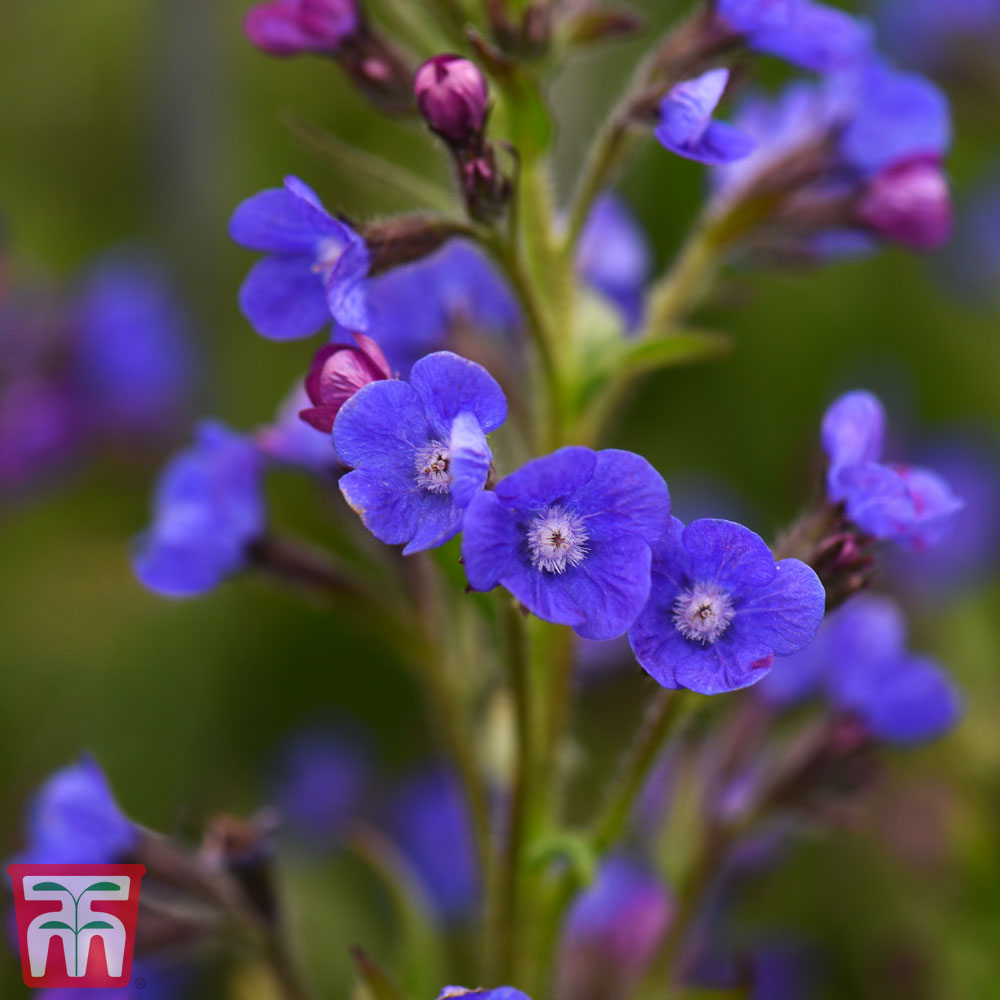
{"type": "Point", "coordinates": [124, 119]}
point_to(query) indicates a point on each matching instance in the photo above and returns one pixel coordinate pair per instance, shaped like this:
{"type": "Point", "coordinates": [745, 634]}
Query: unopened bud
{"type": "Point", "coordinates": [453, 97]}
{"type": "Point", "coordinates": [910, 204]}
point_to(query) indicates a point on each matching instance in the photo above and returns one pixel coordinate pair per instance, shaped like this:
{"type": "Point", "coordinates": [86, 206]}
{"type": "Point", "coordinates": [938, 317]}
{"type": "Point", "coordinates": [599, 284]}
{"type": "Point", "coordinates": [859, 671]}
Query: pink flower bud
{"type": "Point", "coordinates": [337, 372]}
{"type": "Point", "coordinates": [452, 96]}
{"type": "Point", "coordinates": [909, 203]}
{"type": "Point", "coordinates": [290, 27]}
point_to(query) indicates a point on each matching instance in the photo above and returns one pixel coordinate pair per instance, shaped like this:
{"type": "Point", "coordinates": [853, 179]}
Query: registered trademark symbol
{"type": "Point", "coordinates": [140, 983]}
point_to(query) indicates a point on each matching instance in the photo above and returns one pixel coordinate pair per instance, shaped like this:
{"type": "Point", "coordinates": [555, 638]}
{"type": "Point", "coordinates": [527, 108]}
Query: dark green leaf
{"type": "Point", "coordinates": [55, 925]}
{"type": "Point", "coordinates": [103, 887]}
{"type": "Point", "coordinates": [97, 925]}
{"type": "Point", "coordinates": [50, 887]}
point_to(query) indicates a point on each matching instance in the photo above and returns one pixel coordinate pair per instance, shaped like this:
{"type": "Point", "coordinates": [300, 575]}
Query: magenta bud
{"type": "Point", "coordinates": [291, 27]}
{"type": "Point", "coordinates": [909, 203]}
{"type": "Point", "coordinates": [452, 96]}
{"type": "Point", "coordinates": [337, 372]}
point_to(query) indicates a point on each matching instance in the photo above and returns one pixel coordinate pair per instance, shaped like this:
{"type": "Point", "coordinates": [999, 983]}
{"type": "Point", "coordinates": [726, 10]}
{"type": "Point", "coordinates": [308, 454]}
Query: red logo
{"type": "Point", "coordinates": [76, 923]}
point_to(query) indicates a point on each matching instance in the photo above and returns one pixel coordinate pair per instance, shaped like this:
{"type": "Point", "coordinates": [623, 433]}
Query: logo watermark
{"type": "Point", "coordinates": [76, 923]}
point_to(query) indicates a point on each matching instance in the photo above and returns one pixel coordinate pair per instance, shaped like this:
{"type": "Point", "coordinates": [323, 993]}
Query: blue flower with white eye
{"type": "Point", "coordinates": [570, 536]}
{"type": "Point", "coordinates": [861, 663]}
{"type": "Point", "coordinates": [209, 509]}
{"type": "Point", "coordinates": [910, 505]}
{"type": "Point", "coordinates": [316, 266]}
{"type": "Point", "coordinates": [74, 819]}
{"type": "Point", "coordinates": [500, 993]}
{"type": "Point", "coordinates": [721, 608]}
{"type": "Point", "coordinates": [418, 449]}
{"type": "Point", "coordinates": [688, 129]}
{"type": "Point", "coordinates": [807, 34]}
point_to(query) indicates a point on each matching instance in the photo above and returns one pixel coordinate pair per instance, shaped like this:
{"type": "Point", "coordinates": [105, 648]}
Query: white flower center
{"type": "Point", "coordinates": [557, 539]}
{"type": "Point", "coordinates": [432, 465]}
{"type": "Point", "coordinates": [328, 252]}
{"type": "Point", "coordinates": [703, 613]}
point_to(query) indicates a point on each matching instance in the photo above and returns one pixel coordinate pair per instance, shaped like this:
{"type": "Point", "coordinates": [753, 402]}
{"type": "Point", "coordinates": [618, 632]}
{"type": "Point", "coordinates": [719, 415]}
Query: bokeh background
{"type": "Point", "coordinates": [149, 120]}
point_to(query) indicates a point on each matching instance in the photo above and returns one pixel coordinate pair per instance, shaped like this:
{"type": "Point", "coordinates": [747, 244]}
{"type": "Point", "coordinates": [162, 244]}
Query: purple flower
{"type": "Point", "coordinates": [430, 821]}
{"type": "Point", "coordinates": [811, 35]}
{"type": "Point", "coordinates": [209, 508]}
{"type": "Point", "coordinates": [316, 265]}
{"type": "Point", "coordinates": [419, 450]}
{"type": "Point", "coordinates": [291, 27]}
{"type": "Point", "coordinates": [74, 819]}
{"type": "Point", "coordinates": [612, 932]}
{"type": "Point", "coordinates": [428, 305]}
{"type": "Point", "coordinates": [926, 33]}
{"type": "Point", "coordinates": [613, 257]}
{"type": "Point", "coordinates": [721, 609]}
{"type": "Point", "coordinates": [289, 440]}
{"type": "Point", "coordinates": [570, 536]}
{"type": "Point", "coordinates": [452, 96]}
{"type": "Point", "coordinates": [320, 782]}
{"type": "Point", "coordinates": [337, 372]}
{"type": "Point", "coordinates": [909, 204]}
{"type": "Point", "coordinates": [500, 993]}
{"type": "Point", "coordinates": [133, 355]}
{"type": "Point", "coordinates": [688, 129]}
{"type": "Point", "coordinates": [910, 505]}
{"type": "Point", "coordinates": [862, 664]}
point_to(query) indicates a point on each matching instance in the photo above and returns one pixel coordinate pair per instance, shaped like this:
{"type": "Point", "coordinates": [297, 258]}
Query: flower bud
{"type": "Point", "coordinates": [337, 372]}
{"type": "Point", "coordinates": [909, 203]}
{"type": "Point", "coordinates": [291, 27]}
{"type": "Point", "coordinates": [452, 96]}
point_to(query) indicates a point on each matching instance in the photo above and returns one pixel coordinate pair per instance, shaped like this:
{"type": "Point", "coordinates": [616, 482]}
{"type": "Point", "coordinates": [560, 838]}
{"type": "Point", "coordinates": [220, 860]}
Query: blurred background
{"type": "Point", "coordinates": [145, 123]}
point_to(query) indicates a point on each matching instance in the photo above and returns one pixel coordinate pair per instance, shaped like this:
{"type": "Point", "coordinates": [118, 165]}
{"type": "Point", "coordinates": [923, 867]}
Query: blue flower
{"type": "Point", "coordinates": [74, 819]}
{"type": "Point", "coordinates": [913, 506]}
{"type": "Point", "coordinates": [316, 268]}
{"type": "Point", "coordinates": [861, 663]}
{"type": "Point", "coordinates": [570, 536]}
{"type": "Point", "coordinates": [613, 257]}
{"type": "Point", "coordinates": [428, 305]}
{"type": "Point", "coordinates": [811, 35]}
{"type": "Point", "coordinates": [155, 982]}
{"type": "Point", "coordinates": [133, 354]}
{"type": "Point", "coordinates": [928, 33]}
{"type": "Point", "coordinates": [419, 449]}
{"type": "Point", "coordinates": [430, 821]}
{"type": "Point", "coordinates": [613, 930]}
{"type": "Point", "coordinates": [500, 993]}
{"type": "Point", "coordinates": [721, 609]}
{"type": "Point", "coordinates": [209, 508]}
{"type": "Point", "coordinates": [688, 129]}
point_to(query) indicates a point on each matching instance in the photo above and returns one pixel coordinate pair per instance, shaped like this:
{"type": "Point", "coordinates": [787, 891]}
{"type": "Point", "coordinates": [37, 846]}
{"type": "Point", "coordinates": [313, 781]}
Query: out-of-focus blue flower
{"type": "Point", "coordinates": [612, 932]}
{"type": "Point", "coordinates": [862, 665]}
{"type": "Point", "coordinates": [570, 536]}
{"type": "Point", "coordinates": [430, 821]}
{"type": "Point", "coordinates": [320, 782]}
{"type": "Point", "coordinates": [418, 450]}
{"type": "Point", "coordinates": [132, 352]}
{"type": "Point", "coordinates": [425, 306]}
{"type": "Point", "coordinates": [812, 35]}
{"type": "Point", "coordinates": [291, 441]}
{"type": "Point", "coordinates": [157, 982]}
{"type": "Point", "coordinates": [74, 819]}
{"type": "Point", "coordinates": [500, 993]}
{"type": "Point", "coordinates": [927, 33]}
{"type": "Point", "coordinates": [316, 265]}
{"type": "Point", "coordinates": [721, 609]}
{"type": "Point", "coordinates": [613, 257]}
{"type": "Point", "coordinates": [688, 129]}
{"type": "Point", "coordinates": [291, 27]}
{"type": "Point", "coordinates": [209, 507]}
{"type": "Point", "coordinates": [910, 505]}
{"type": "Point", "coordinates": [769, 971]}
{"type": "Point", "coordinates": [972, 264]}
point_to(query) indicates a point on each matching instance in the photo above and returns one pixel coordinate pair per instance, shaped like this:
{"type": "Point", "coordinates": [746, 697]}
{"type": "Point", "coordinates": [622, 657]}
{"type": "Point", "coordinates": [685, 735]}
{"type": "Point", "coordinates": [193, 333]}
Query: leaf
{"type": "Point", "coordinates": [379, 985]}
{"type": "Point", "coordinates": [50, 887]}
{"type": "Point", "coordinates": [104, 887]}
{"type": "Point", "coordinates": [97, 925]}
{"type": "Point", "coordinates": [55, 925]}
{"type": "Point", "coordinates": [572, 848]}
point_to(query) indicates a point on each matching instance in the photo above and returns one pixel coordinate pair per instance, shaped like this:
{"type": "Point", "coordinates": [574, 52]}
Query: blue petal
{"type": "Point", "coordinates": [935, 508]}
{"type": "Point", "coordinates": [853, 429]}
{"type": "Point", "coordinates": [914, 703]}
{"type": "Point", "coordinates": [785, 614]}
{"type": "Point", "coordinates": [687, 109]}
{"type": "Point", "coordinates": [470, 458]}
{"type": "Point", "coordinates": [180, 570]}
{"type": "Point", "coordinates": [491, 542]}
{"type": "Point", "coordinates": [440, 521]}
{"type": "Point", "coordinates": [346, 285]}
{"type": "Point", "coordinates": [729, 554]}
{"type": "Point", "coordinates": [282, 220]}
{"type": "Point", "coordinates": [816, 37]}
{"type": "Point", "coordinates": [549, 480]}
{"type": "Point", "coordinates": [723, 143]}
{"type": "Point", "coordinates": [283, 298]}
{"type": "Point", "coordinates": [450, 385]}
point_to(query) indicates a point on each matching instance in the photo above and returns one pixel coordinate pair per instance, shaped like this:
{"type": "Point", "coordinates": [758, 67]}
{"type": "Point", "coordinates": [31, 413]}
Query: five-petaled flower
{"type": "Point", "coordinates": [316, 266]}
{"type": "Point", "coordinates": [418, 449]}
{"type": "Point", "coordinates": [570, 536]}
{"type": "Point", "coordinates": [720, 608]}
{"type": "Point", "coordinates": [910, 505]}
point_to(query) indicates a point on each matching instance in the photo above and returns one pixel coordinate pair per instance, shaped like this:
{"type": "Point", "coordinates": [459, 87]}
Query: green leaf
{"type": "Point", "coordinates": [55, 925]}
{"type": "Point", "coordinates": [50, 887]}
{"type": "Point", "coordinates": [378, 983]}
{"type": "Point", "coordinates": [103, 887]}
{"type": "Point", "coordinates": [562, 845]}
{"type": "Point", "coordinates": [97, 925]}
